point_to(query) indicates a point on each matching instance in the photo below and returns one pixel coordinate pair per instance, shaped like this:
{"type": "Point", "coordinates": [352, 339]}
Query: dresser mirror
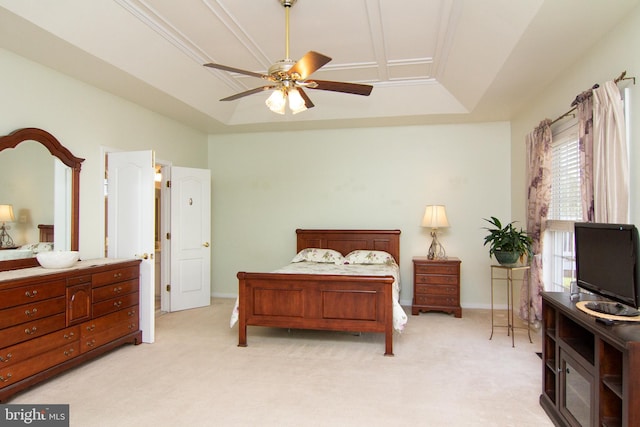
{"type": "Point", "coordinates": [41, 183]}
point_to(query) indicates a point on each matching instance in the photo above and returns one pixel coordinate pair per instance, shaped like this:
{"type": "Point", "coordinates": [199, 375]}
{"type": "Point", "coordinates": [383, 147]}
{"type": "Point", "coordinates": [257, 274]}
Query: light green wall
{"type": "Point", "coordinates": [85, 120]}
{"type": "Point", "coordinates": [266, 185]}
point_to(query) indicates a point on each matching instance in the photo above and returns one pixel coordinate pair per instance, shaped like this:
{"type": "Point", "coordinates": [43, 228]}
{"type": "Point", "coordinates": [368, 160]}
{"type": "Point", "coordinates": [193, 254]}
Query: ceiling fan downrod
{"type": "Point", "coordinates": [287, 4]}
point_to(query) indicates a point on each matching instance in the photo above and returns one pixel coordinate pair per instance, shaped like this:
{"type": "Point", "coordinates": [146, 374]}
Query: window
{"type": "Point", "coordinates": [565, 208]}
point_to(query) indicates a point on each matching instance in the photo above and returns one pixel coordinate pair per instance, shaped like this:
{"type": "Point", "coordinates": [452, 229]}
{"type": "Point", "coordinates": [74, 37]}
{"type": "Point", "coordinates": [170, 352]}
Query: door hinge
{"type": "Point", "coordinates": [168, 236]}
{"type": "Point", "coordinates": [168, 288]}
{"type": "Point", "coordinates": [168, 184]}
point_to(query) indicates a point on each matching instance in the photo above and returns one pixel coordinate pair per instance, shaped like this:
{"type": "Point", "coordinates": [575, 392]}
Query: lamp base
{"type": "Point", "coordinates": [5, 240]}
{"type": "Point", "coordinates": [436, 250]}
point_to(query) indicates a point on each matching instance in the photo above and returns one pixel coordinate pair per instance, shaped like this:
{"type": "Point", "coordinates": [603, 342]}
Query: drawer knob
{"type": "Point", "coordinates": [131, 313]}
{"type": "Point", "coordinates": [117, 289]}
{"type": "Point", "coordinates": [3, 379]}
{"type": "Point", "coordinates": [117, 304]}
{"type": "Point", "coordinates": [30, 331]}
{"type": "Point", "coordinates": [117, 275]}
{"type": "Point", "coordinates": [69, 336]}
{"type": "Point", "coordinates": [91, 343]}
{"type": "Point", "coordinates": [6, 358]}
{"type": "Point", "coordinates": [31, 313]}
{"type": "Point", "coordinates": [68, 352]}
{"type": "Point", "coordinates": [31, 294]}
{"type": "Point", "coordinates": [91, 328]}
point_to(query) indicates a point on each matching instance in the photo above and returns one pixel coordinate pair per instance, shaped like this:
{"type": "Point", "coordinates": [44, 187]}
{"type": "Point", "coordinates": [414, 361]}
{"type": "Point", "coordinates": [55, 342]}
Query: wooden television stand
{"type": "Point", "coordinates": [590, 371]}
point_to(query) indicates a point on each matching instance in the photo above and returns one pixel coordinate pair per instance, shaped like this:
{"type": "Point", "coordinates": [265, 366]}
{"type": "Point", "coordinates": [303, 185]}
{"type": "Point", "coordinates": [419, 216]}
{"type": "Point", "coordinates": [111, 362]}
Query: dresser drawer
{"type": "Point", "coordinates": [108, 328]}
{"type": "Point", "coordinates": [437, 290]}
{"type": "Point", "coordinates": [23, 351]}
{"type": "Point", "coordinates": [28, 312]}
{"type": "Point", "coordinates": [115, 290]}
{"type": "Point", "coordinates": [436, 279]}
{"type": "Point", "coordinates": [115, 304]}
{"type": "Point", "coordinates": [22, 370]}
{"type": "Point", "coordinates": [115, 276]}
{"type": "Point", "coordinates": [451, 269]}
{"type": "Point", "coordinates": [436, 300]}
{"type": "Point", "coordinates": [31, 293]}
{"type": "Point", "coordinates": [33, 329]}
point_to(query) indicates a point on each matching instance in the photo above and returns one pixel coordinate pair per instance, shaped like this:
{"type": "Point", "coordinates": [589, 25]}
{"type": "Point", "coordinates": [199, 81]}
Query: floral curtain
{"type": "Point", "coordinates": [610, 157]}
{"type": "Point", "coordinates": [538, 198]}
{"type": "Point", "coordinates": [584, 108]}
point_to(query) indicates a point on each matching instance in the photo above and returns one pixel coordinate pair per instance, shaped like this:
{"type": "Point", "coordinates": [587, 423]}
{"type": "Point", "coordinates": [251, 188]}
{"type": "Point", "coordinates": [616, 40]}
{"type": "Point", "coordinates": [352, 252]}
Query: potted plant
{"type": "Point", "coordinates": [507, 244]}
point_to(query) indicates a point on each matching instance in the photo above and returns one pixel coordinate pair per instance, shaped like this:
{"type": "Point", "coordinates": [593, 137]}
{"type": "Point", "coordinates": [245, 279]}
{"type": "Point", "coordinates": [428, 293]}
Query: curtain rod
{"type": "Point", "coordinates": [621, 77]}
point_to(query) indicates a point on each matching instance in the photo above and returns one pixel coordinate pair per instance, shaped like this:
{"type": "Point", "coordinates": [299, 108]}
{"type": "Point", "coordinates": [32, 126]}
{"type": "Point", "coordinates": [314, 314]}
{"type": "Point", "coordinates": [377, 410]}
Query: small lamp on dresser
{"type": "Point", "coordinates": [435, 216]}
{"type": "Point", "coordinates": [6, 215]}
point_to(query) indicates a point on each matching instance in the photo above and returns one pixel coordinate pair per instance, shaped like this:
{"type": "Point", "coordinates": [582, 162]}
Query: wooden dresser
{"type": "Point", "coordinates": [436, 285]}
{"type": "Point", "coordinates": [52, 320]}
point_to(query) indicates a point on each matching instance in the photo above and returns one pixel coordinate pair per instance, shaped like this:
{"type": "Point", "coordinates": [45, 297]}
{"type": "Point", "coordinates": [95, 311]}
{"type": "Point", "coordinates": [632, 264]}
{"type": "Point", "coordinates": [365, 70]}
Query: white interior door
{"type": "Point", "coordinates": [190, 238]}
{"type": "Point", "coordinates": [130, 222]}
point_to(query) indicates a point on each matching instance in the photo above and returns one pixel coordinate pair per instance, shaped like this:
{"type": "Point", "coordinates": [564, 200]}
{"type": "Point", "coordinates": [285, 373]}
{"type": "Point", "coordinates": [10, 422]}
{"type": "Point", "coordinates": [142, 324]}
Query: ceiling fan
{"type": "Point", "coordinates": [289, 78]}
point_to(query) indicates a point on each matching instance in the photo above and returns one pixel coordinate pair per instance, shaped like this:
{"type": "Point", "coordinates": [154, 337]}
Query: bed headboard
{"type": "Point", "coordinates": [345, 241]}
{"type": "Point", "coordinates": [46, 232]}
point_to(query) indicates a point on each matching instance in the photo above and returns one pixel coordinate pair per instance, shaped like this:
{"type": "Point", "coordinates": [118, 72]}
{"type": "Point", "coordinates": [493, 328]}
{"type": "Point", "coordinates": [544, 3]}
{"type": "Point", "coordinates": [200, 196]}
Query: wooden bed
{"type": "Point", "coordinates": [323, 302]}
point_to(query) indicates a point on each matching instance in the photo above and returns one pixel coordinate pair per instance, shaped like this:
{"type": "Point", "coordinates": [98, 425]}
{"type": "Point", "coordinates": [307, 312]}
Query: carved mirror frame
{"type": "Point", "coordinates": [58, 150]}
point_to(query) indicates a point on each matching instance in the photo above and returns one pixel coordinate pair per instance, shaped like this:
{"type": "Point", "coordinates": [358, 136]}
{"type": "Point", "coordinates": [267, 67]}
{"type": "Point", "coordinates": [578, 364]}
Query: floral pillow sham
{"type": "Point", "coordinates": [319, 255]}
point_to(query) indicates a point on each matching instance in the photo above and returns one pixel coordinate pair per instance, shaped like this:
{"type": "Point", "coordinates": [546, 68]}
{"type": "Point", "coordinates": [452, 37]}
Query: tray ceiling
{"type": "Point", "coordinates": [429, 61]}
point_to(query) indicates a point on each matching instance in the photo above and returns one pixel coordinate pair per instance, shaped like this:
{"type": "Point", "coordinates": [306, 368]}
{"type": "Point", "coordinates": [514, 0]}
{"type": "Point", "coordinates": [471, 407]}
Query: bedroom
{"type": "Point", "coordinates": [258, 177]}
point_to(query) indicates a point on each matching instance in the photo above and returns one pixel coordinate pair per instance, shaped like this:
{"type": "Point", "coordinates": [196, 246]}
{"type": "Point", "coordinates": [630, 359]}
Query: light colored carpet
{"type": "Point", "coordinates": [446, 372]}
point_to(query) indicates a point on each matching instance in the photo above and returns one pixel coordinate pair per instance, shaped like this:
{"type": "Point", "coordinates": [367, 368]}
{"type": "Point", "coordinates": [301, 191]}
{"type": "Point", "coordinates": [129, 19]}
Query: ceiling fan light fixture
{"type": "Point", "coordinates": [296, 103]}
{"type": "Point", "coordinates": [277, 101]}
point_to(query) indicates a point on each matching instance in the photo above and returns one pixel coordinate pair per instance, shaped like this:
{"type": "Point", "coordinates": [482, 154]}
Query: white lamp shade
{"type": "Point", "coordinates": [276, 102]}
{"type": "Point", "coordinates": [435, 216]}
{"type": "Point", "coordinates": [6, 213]}
{"type": "Point", "coordinates": [296, 103]}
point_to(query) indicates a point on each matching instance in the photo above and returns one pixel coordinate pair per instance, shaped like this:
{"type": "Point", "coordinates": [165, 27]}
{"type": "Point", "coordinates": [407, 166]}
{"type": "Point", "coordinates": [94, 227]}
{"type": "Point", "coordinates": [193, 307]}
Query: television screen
{"type": "Point", "coordinates": [606, 261]}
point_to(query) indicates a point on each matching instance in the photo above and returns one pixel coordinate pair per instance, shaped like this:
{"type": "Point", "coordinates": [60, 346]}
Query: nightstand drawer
{"type": "Point", "coordinates": [436, 300]}
{"type": "Point", "coordinates": [437, 290]}
{"type": "Point", "coordinates": [437, 269]}
{"type": "Point", "coordinates": [436, 279]}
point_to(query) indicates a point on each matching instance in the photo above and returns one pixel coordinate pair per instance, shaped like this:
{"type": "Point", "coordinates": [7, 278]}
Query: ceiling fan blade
{"type": "Point", "coordinates": [237, 70]}
{"type": "Point", "coordinates": [249, 92]}
{"type": "Point", "coordinates": [306, 65]}
{"type": "Point", "coordinates": [307, 100]}
{"type": "Point", "coordinates": [354, 88]}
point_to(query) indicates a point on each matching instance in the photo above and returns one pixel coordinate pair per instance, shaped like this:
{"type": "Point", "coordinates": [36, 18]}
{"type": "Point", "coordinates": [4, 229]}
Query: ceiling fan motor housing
{"type": "Point", "coordinates": [287, 3]}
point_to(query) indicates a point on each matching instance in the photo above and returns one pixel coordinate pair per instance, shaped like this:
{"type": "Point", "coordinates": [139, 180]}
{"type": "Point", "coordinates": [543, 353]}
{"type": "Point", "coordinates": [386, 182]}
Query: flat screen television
{"type": "Point", "coordinates": [607, 265]}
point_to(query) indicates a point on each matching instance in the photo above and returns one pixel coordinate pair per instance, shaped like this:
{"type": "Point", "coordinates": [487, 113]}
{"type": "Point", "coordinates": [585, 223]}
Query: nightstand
{"type": "Point", "coordinates": [436, 285]}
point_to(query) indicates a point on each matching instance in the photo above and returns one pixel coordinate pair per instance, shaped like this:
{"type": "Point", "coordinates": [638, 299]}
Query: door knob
{"type": "Point", "coordinates": [205, 244]}
{"type": "Point", "coordinates": [143, 256]}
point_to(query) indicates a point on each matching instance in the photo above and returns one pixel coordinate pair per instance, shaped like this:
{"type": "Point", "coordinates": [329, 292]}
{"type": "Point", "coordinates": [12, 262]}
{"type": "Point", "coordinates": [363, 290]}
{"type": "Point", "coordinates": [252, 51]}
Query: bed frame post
{"type": "Point", "coordinates": [242, 312]}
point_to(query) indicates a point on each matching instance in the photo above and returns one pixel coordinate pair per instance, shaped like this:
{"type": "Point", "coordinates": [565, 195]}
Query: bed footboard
{"type": "Point", "coordinates": [311, 301]}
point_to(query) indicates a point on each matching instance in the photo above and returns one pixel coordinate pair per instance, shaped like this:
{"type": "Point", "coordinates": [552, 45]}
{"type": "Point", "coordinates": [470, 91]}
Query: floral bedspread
{"type": "Point", "coordinates": [399, 316]}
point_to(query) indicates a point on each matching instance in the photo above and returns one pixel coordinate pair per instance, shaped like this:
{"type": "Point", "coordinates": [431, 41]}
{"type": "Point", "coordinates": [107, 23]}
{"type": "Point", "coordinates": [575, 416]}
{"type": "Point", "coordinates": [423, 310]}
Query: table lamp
{"type": "Point", "coordinates": [435, 217]}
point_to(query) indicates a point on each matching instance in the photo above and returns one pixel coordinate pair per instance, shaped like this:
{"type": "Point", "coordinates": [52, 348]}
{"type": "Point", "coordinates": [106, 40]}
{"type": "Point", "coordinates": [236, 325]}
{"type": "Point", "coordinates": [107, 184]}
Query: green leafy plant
{"type": "Point", "coordinates": [507, 239]}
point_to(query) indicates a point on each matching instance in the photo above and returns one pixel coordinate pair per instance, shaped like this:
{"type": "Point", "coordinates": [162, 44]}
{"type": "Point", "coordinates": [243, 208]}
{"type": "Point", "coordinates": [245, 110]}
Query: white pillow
{"type": "Point", "coordinates": [319, 255]}
{"type": "Point", "coordinates": [369, 257]}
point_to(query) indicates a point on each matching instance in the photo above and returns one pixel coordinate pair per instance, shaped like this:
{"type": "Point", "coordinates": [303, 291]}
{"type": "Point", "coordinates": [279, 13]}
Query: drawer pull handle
{"type": "Point", "coordinates": [69, 336]}
{"type": "Point", "coordinates": [91, 328]}
{"type": "Point", "coordinates": [117, 304]}
{"type": "Point", "coordinates": [3, 379]}
{"type": "Point", "coordinates": [68, 352]}
{"type": "Point", "coordinates": [117, 290]}
{"type": "Point", "coordinates": [132, 326]}
{"type": "Point", "coordinates": [6, 359]}
{"type": "Point", "coordinates": [117, 275]}
{"type": "Point", "coordinates": [131, 313]}
{"type": "Point", "coordinates": [91, 343]}
{"type": "Point", "coordinates": [30, 331]}
{"type": "Point", "coordinates": [31, 294]}
{"type": "Point", "coordinates": [31, 313]}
